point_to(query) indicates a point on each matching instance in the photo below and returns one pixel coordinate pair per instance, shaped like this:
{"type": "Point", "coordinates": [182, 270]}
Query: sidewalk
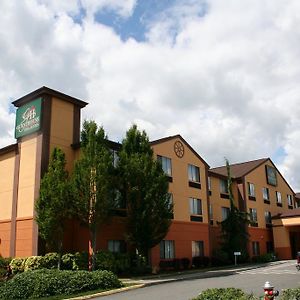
{"type": "Point", "coordinates": [140, 282]}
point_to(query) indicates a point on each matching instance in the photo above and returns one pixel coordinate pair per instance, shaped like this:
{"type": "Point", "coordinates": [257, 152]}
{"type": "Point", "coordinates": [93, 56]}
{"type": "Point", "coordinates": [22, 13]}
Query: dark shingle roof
{"type": "Point", "coordinates": [238, 170]}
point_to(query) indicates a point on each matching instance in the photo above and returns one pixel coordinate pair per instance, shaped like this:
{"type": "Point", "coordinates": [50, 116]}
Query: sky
{"type": "Point", "coordinates": [223, 74]}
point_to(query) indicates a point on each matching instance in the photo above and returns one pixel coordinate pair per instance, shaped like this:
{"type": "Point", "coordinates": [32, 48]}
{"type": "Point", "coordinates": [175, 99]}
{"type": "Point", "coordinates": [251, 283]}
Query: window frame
{"type": "Point", "coordinates": [223, 209]}
{"type": "Point", "coordinates": [199, 209]}
{"type": "Point", "coordinates": [255, 248]}
{"type": "Point", "coordinates": [223, 184]}
{"type": "Point", "coordinates": [197, 248]}
{"type": "Point", "coordinates": [193, 173]}
{"type": "Point", "coordinates": [167, 249]}
{"type": "Point", "coordinates": [118, 246]}
{"type": "Point", "coordinates": [166, 164]}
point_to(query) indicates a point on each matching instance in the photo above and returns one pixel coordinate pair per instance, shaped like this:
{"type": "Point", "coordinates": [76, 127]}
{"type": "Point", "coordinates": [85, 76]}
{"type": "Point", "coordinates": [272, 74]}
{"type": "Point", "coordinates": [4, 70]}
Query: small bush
{"type": "Point", "coordinates": [68, 262]}
{"type": "Point", "coordinates": [33, 263]}
{"type": "Point", "coordinates": [50, 260]}
{"type": "Point", "coordinates": [224, 294]}
{"type": "Point", "coordinates": [200, 261]}
{"type": "Point", "coordinates": [122, 263]}
{"type": "Point", "coordinates": [220, 258]}
{"type": "Point", "coordinates": [105, 260]}
{"type": "Point", "coordinates": [290, 294]}
{"type": "Point", "coordinates": [4, 262]}
{"type": "Point", "coordinates": [264, 258]}
{"type": "Point", "coordinates": [17, 265]}
{"type": "Point", "coordinates": [82, 260]}
{"type": "Point", "coordinates": [44, 283]}
{"type": "Point", "coordinates": [185, 263]}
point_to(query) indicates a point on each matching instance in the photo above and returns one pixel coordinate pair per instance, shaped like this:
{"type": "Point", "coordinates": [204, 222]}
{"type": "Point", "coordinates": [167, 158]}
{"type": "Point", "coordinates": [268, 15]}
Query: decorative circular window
{"type": "Point", "coordinates": [179, 149]}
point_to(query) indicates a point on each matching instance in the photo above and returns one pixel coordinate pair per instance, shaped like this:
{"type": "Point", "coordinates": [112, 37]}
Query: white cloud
{"type": "Point", "coordinates": [224, 74]}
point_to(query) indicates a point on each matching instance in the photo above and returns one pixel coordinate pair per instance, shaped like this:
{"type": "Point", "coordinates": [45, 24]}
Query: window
{"type": "Point", "coordinates": [290, 200]}
{"type": "Point", "coordinates": [278, 198]}
{"type": "Point", "coordinates": [194, 173]}
{"type": "Point", "coordinates": [195, 206]}
{"type": "Point", "coordinates": [270, 247]}
{"type": "Point", "coordinates": [166, 164]}
{"type": "Point", "coordinates": [253, 215]}
{"type": "Point", "coordinates": [211, 214]}
{"type": "Point", "coordinates": [268, 218]}
{"type": "Point", "coordinates": [115, 157]}
{"type": "Point", "coordinates": [255, 248]}
{"type": "Point", "coordinates": [119, 200]}
{"type": "Point", "coordinates": [251, 190]}
{"type": "Point", "coordinates": [117, 246]}
{"type": "Point", "coordinates": [225, 213]}
{"type": "Point", "coordinates": [197, 248]}
{"type": "Point", "coordinates": [209, 183]}
{"type": "Point", "coordinates": [223, 186]}
{"type": "Point", "coordinates": [266, 194]}
{"type": "Point", "coordinates": [167, 249]}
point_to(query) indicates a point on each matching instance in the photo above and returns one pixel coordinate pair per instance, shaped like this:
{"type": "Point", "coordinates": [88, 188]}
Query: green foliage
{"type": "Point", "coordinates": [17, 265]}
{"type": "Point", "coordinates": [69, 262]}
{"type": "Point", "coordinates": [264, 258]}
{"type": "Point", "coordinates": [33, 263]}
{"type": "Point", "coordinates": [44, 283]}
{"type": "Point", "coordinates": [105, 260]}
{"type": "Point", "coordinates": [92, 181]}
{"type": "Point", "coordinates": [4, 262]}
{"type": "Point", "coordinates": [54, 206]}
{"type": "Point", "coordinates": [290, 294]}
{"type": "Point", "coordinates": [50, 260]}
{"type": "Point", "coordinates": [234, 228]}
{"type": "Point", "coordinates": [144, 187]}
{"type": "Point", "coordinates": [224, 294]}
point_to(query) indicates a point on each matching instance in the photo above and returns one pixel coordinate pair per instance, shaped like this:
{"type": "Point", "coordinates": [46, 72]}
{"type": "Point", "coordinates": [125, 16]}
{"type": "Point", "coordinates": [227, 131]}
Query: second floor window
{"type": "Point", "coordinates": [251, 189]}
{"type": "Point", "coordinates": [166, 164]}
{"type": "Point", "coordinates": [223, 186]}
{"type": "Point", "coordinates": [266, 194]}
{"type": "Point", "coordinates": [253, 215]}
{"type": "Point", "coordinates": [278, 197]}
{"type": "Point", "coordinates": [268, 218]}
{"type": "Point", "coordinates": [195, 206]}
{"type": "Point", "coordinates": [194, 173]}
{"type": "Point", "coordinates": [290, 200]}
{"type": "Point", "coordinates": [225, 213]}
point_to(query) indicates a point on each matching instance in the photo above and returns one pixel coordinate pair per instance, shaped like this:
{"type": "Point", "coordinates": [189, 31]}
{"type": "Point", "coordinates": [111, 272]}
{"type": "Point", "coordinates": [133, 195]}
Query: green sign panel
{"type": "Point", "coordinates": [28, 118]}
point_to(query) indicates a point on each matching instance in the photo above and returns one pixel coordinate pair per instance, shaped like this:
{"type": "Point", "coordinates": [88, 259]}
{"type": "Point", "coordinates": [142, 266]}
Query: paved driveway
{"type": "Point", "coordinates": [184, 287]}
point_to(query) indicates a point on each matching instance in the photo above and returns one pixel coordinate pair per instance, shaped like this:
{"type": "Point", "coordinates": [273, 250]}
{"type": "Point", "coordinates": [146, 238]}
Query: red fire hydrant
{"type": "Point", "coordinates": [269, 291]}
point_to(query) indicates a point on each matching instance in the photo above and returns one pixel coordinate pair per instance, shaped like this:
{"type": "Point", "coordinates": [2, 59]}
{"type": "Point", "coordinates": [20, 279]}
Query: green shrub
{"type": "Point", "coordinates": [33, 263]}
{"type": "Point", "coordinates": [122, 263]}
{"type": "Point", "coordinates": [82, 260]}
{"type": "Point", "coordinates": [264, 258]}
{"type": "Point", "coordinates": [105, 260]}
{"type": "Point", "coordinates": [4, 262]}
{"type": "Point", "coordinates": [17, 265]}
{"type": "Point", "coordinates": [290, 294]}
{"type": "Point", "coordinates": [224, 294]}
{"type": "Point", "coordinates": [44, 283]}
{"type": "Point", "coordinates": [69, 262]}
{"type": "Point", "coordinates": [50, 260]}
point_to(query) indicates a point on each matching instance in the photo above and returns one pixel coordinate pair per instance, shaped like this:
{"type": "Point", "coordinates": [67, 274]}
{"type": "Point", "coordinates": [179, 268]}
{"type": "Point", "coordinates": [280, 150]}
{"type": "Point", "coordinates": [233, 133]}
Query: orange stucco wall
{"type": "Point", "coordinates": [24, 237]}
{"type": "Point", "coordinates": [61, 131]}
{"type": "Point", "coordinates": [5, 238]}
{"type": "Point", "coordinates": [7, 167]}
{"type": "Point", "coordinates": [180, 185]}
{"type": "Point", "coordinates": [183, 233]}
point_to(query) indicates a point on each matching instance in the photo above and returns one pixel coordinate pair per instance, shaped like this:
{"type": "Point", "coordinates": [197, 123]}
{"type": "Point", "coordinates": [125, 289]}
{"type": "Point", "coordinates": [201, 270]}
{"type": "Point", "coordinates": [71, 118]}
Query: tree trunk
{"type": "Point", "coordinates": [60, 245]}
{"type": "Point", "coordinates": [92, 249]}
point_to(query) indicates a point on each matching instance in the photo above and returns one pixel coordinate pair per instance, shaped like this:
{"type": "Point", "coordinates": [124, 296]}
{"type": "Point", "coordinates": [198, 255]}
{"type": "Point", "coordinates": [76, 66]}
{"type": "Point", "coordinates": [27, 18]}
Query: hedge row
{"type": "Point", "coordinates": [117, 263]}
{"type": "Point", "coordinates": [225, 294]}
{"type": "Point", "coordinates": [44, 283]}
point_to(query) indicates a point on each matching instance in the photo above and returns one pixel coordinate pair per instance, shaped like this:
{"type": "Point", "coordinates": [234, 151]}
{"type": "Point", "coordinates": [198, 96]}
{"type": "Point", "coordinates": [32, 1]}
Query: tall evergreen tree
{"type": "Point", "coordinates": [234, 227]}
{"type": "Point", "coordinates": [54, 205]}
{"type": "Point", "coordinates": [144, 187]}
{"type": "Point", "coordinates": [92, 183]}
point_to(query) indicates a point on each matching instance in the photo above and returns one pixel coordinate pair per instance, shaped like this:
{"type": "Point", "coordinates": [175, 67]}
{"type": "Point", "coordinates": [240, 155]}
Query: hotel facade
{"type": "Point", "coordinates": [46, 119]}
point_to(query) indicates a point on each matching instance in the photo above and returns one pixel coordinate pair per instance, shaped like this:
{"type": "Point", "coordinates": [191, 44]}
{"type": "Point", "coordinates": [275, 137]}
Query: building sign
{"type": "Point", "coordinates": [271, 175]}
{"type": "Point", "coordinates": [28, 118]}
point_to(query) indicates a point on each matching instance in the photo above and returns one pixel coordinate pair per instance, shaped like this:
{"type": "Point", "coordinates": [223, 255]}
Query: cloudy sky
{"type": "Point", "coordinates": [223, 74]}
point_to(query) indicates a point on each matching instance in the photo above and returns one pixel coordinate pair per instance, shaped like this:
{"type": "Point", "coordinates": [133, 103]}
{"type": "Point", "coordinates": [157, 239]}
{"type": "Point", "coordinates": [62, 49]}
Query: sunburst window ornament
{"type": "Point", "coordinates": [179, 149]}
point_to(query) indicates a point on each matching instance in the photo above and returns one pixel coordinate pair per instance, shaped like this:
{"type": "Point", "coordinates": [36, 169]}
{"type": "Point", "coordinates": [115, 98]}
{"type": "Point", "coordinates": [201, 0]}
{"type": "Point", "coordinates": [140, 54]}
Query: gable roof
{"type": "Point", "coordinates": [240, 169]}
{"type": "Point", "coordinates": [178, 136]}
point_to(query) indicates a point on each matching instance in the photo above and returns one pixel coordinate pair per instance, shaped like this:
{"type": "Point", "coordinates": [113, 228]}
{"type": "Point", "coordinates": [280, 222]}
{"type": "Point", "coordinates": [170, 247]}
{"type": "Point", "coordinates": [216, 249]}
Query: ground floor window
{"type": "Point", "coordinates": [167, 249]}
{"type": "Point", "coordinates": [117, 246]}
{"type": "Point", "coordinates": [270, 247]}
{"type": "Point", "coordinates": [197, 248]}
{"type": "Point", "coordinates": [255, 248]}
